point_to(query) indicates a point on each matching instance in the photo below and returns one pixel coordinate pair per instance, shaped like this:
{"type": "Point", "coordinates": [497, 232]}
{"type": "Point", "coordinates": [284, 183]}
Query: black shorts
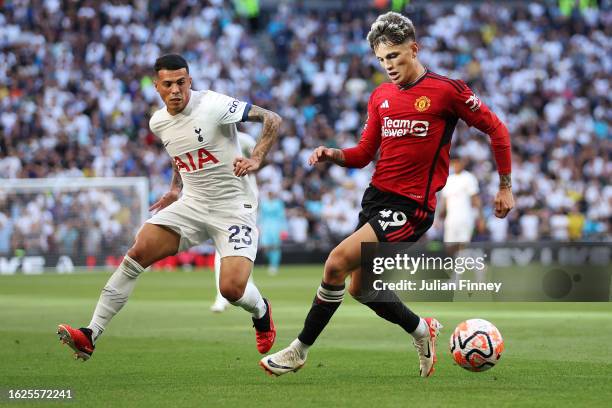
{"type": "Point", "coordinates": [393, 217]}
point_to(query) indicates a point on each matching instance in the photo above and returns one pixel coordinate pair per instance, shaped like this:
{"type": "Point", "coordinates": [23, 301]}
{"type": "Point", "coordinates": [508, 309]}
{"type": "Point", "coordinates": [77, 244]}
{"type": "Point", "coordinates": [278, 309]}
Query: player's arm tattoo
{"type": "Point", "coordinates": [505, 181]}
{"type": "Point", "coordinates": [271, 125]}
{"type": "Point", "coordinates": [338, 157]}
{"type": "Point", "coordinates": [177, 181]}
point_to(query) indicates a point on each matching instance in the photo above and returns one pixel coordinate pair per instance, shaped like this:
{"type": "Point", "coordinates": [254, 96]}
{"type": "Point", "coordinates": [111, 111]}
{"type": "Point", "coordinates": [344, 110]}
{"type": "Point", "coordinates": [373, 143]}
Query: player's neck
{"type": "Point", "coordinates": [418, 73]}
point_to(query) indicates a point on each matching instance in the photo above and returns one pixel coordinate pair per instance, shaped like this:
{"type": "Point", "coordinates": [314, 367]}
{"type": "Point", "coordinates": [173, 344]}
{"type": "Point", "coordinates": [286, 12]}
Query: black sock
{"type": "Point", "coordinates": [325, 303]}
{"type": "Point", "coordinates": [87, 332]}
{"type": "Point", "coordinates": [263, 324]}
{"type": "Point", "coordinates": [387, 305]}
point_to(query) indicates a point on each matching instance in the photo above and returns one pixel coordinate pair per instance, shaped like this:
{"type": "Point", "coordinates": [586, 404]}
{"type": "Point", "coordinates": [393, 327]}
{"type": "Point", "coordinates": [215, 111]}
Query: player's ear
{"type": "Point", "coordinates": [415, 49]}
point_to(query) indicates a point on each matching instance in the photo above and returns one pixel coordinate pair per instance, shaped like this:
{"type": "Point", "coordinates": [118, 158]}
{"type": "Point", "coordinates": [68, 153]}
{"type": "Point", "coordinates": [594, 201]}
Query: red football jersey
{"type": "Point", "coordinates": [413, 125]}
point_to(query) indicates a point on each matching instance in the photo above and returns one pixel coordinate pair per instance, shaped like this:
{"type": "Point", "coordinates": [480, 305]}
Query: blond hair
{"type": "Point", "coordinates": [391, 28]}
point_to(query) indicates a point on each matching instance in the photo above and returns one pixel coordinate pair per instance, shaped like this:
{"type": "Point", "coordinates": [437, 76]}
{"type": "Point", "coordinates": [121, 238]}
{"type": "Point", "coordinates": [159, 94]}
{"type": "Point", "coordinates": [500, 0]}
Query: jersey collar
{"type": "Point", "coordinates": [413, 83]}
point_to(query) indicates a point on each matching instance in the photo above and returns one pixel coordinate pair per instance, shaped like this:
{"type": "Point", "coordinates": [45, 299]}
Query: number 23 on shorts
{"type": "Point", "coordinates": [240, 235]}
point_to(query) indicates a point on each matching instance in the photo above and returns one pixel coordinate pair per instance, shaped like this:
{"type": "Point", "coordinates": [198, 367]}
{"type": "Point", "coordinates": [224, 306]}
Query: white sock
{"type": "Point", "coordinates": [300, 347]}
{"type": "Point", "coordinates": [252, 302]}
{"type": "Point", "coordinates": [421, 331]}
{"type": "Point", "coordinates": [114, 295]}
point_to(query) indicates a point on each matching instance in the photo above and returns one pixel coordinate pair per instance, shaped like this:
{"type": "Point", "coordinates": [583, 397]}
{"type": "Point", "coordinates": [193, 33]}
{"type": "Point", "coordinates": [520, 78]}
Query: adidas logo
{"type": "Point", "coordinates": [385, 104]}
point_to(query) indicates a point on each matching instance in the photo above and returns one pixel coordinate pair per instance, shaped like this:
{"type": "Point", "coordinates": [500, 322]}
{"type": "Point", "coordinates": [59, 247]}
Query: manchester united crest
{"type": "Point", "coordinates": [422, 103]}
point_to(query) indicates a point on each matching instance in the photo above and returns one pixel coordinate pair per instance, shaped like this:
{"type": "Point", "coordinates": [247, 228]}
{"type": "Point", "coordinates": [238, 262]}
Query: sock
{"type": "Point", "coordinates": [421, 331]}
{"type": "Point", "coordinates": [387, 305]}
{"type": "Point", "coordinates": [114, 295]}
{"type": "Point", "coordinates": [324, 305]}
{"type": "Point", "coordinates": [300, 347]}
{"type": "Point", "coordinates": [252, 302]}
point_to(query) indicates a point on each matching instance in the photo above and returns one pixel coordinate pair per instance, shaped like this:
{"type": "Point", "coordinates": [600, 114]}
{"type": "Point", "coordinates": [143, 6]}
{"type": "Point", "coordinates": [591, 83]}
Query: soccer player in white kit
{"type": "Point", "coordinates": [218, 201]}
{"type": "Point", "coordinates": [460, 196]}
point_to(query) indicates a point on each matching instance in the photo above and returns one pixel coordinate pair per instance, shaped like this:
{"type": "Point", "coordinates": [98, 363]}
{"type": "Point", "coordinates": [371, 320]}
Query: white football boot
{"type": "Point", "coordinates": [426, 347]}
{"type": "Point", "coordinates": [220, 304]}
{"type": "Point", "coordinates": [282, 362]}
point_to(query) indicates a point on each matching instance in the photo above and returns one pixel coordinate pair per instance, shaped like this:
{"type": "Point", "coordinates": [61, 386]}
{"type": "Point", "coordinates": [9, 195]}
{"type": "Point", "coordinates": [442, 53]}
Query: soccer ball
{"type": "Point", "coordinates": [476, 345]}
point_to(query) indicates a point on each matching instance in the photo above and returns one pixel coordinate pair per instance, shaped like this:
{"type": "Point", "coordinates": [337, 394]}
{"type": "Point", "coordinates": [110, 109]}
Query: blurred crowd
{"type": "Point", "coordinates": [76, 95]}
{"type": "Point", "coordinates": [74, 222]}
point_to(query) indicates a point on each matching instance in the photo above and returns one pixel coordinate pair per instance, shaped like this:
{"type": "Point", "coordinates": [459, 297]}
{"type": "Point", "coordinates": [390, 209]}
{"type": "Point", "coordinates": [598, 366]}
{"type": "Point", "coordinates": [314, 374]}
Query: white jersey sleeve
{"type": "Point", "coordinates": [225, 110]}
{"type": "Point", "coordinates": [154, 122]}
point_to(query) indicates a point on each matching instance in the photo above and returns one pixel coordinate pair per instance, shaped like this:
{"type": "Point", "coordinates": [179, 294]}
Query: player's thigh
{"type": "Point", "coordinates": [346, 257]}
{"type": "Point", "coordinates": [175, 228]}
{"type": "Point", "coordinates": [153, 243]}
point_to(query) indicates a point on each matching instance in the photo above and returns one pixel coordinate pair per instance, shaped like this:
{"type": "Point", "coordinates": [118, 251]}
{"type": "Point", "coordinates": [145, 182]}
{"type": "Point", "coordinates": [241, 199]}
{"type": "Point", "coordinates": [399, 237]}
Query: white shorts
{"type": "Point", "coordinates": [234, 233]}
{"type": "Point", "coordinates": [458, 232]}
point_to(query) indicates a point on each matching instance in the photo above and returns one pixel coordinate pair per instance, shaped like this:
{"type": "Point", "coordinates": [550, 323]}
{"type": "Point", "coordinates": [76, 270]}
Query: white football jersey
{"type": "Point", "coordinates": [203, 142]}
{"type": "Point", "coordinates": [458, 193]}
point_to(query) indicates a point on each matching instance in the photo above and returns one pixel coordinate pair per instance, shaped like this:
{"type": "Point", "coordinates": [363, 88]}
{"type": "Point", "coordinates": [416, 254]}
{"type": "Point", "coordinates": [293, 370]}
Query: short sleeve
{"type": "Point", "coordinates": [225, 109]}
{"type": "Point", "coordinates": [153, 124]}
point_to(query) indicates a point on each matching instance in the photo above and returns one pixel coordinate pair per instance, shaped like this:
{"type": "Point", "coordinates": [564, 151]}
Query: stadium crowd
{"type": "Point", "coordinates": [76, 94]}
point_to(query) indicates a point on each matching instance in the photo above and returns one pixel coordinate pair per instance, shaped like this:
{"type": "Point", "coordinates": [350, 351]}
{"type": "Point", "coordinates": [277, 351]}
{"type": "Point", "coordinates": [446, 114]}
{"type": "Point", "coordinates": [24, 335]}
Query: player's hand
{"type": "Point", "coordinates": [164, 201]}
{"type": "Point", "coordinates": [321, 154]}
{"type": "Point", "coordinates": [504, 202]}
{"type": "Point", "coordinates": [245, 165]}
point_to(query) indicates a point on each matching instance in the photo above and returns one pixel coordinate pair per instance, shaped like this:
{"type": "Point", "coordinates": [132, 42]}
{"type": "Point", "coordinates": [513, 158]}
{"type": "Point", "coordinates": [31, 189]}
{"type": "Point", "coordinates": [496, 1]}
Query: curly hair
{"type": "Point", "coordinates": [391, 28]}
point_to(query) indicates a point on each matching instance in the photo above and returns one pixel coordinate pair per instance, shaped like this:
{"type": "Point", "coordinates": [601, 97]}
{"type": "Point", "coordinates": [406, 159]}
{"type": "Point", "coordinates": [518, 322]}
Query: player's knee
{"type": "Point", "coordinates": [145, 252]}
{"type": "Point", "coordinates": [231, 290]}
{"type": "Point", "coordinates": [139, 254]}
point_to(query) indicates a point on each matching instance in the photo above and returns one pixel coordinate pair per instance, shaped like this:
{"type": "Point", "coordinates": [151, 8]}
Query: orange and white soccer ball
{"type": "Point", "coordinates": [476, 345]}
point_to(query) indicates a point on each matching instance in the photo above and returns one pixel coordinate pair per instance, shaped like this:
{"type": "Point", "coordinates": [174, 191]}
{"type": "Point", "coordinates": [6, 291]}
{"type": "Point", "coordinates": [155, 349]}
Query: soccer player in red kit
{"type": "Point", "coordinates": [411, 121]}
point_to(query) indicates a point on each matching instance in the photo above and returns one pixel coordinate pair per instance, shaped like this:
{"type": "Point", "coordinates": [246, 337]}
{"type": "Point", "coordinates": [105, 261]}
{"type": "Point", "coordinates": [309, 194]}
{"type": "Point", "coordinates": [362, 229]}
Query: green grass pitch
{"type": "Point", "coordinates": [166, 349]}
